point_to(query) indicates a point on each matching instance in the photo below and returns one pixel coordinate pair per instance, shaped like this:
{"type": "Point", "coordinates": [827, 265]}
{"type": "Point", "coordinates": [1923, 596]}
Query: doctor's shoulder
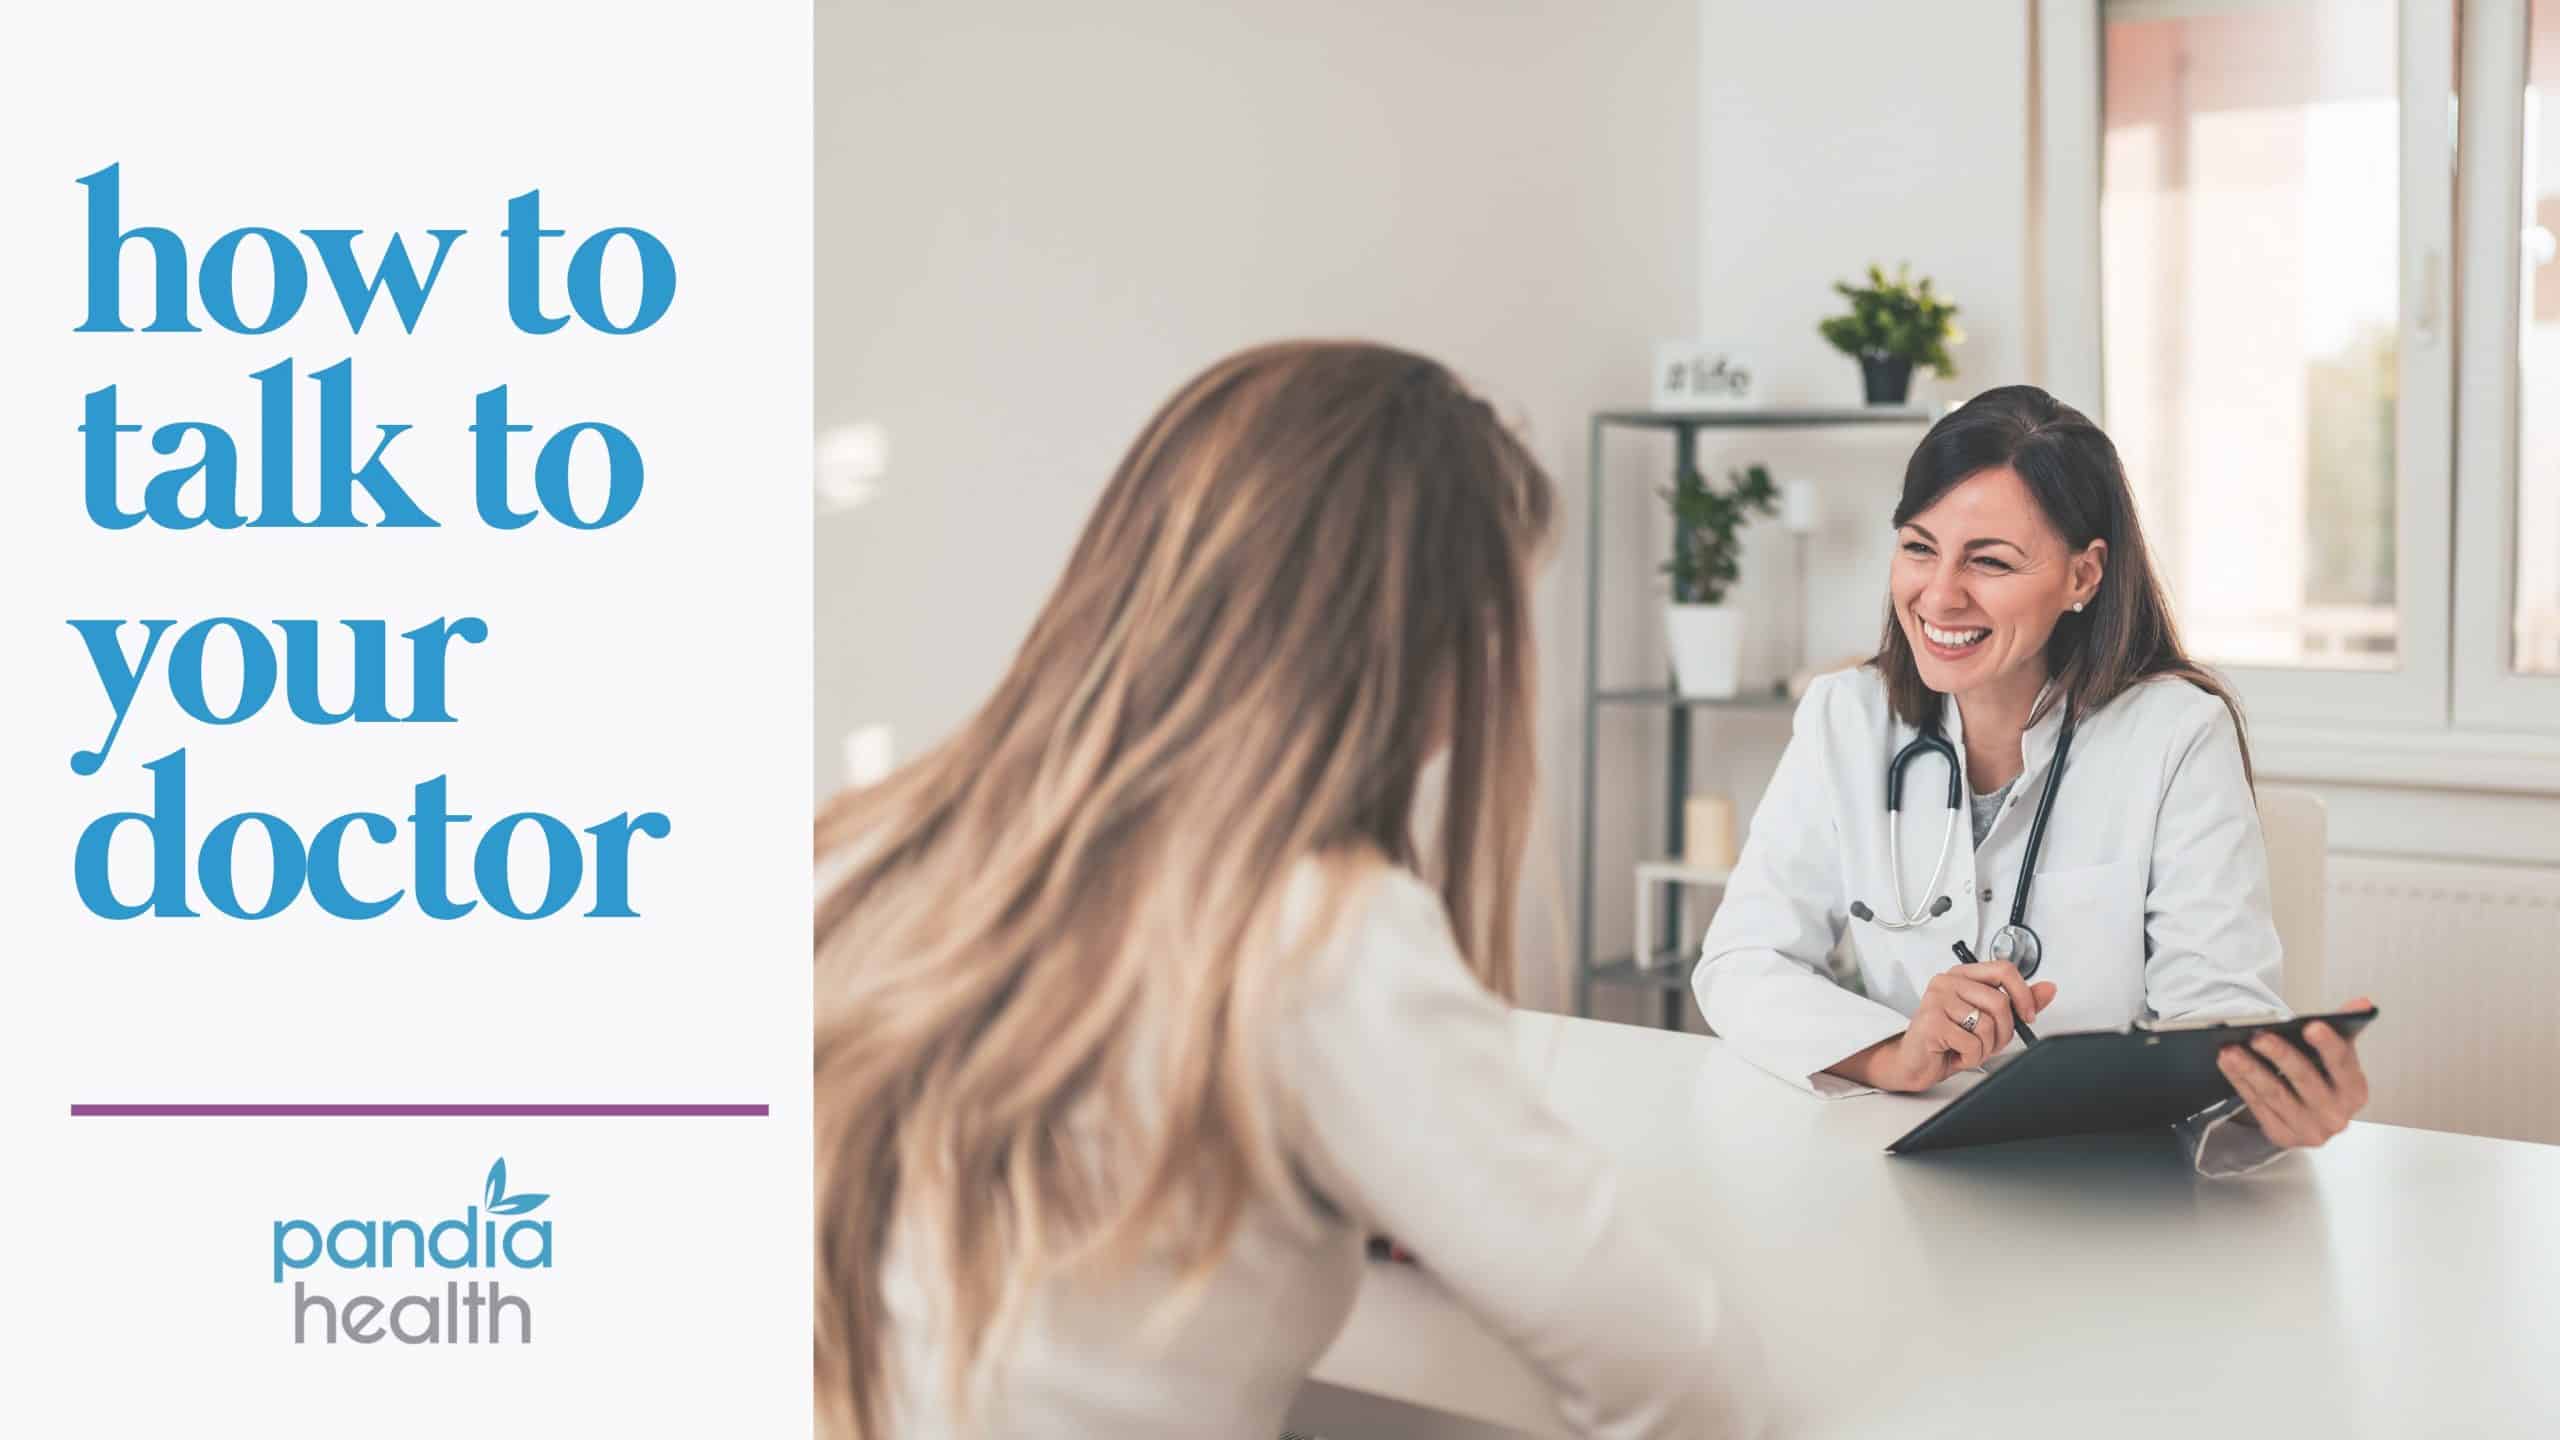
{"type": "Point", "coordinates": [2167, 732]}
{"type": "Point", "coordinates": [1845, 704]}
{"type": "Point", "coordinates": [1843, 728]}
{"type": "Point", "coordinates": [2173, 713]}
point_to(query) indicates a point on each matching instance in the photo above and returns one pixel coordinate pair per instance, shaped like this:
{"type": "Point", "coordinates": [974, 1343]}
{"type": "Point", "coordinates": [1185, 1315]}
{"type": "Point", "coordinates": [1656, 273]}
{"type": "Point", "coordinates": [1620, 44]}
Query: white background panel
{"type": "Point", "coordinates": [659, 664]}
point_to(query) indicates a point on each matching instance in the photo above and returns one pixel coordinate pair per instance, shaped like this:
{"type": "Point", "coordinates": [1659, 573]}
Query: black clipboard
{"type": "Point", "coordinates": [2098, 1081]}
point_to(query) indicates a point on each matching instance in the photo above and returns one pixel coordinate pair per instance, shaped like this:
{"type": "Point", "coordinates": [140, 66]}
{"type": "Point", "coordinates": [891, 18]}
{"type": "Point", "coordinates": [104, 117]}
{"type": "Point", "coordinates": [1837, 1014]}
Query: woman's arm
{"type": "Point", "coordinates": [2209, 929]}
{"type": "Point", "coordinates": [1761, 981]}
{"type": "Point", "coordinates": [1867, 1067]}
{"type": "Point", "coordinates": [1414, 1116]}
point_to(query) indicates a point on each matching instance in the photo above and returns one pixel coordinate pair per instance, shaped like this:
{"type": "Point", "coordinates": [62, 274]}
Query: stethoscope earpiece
{"type": "Point", "coordinates": [1859, 909]}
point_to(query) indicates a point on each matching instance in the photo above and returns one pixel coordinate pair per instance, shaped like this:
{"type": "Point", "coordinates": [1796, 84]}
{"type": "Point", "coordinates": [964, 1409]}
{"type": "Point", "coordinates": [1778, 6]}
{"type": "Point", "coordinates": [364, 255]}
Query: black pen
{"type": "Point", "coordinates": [1965, 956]}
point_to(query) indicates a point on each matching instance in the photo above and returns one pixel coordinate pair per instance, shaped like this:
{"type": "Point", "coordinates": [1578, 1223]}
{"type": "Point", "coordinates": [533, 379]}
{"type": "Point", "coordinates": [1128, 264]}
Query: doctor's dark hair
{"type": "Point", "coordinates": [1046, 978]}
{"type": "Point", "coordinates": [2127, 634]}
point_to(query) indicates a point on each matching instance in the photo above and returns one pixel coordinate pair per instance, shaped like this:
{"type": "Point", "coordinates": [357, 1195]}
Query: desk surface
{"type": "Point", "coordinates": [2396, 1282]}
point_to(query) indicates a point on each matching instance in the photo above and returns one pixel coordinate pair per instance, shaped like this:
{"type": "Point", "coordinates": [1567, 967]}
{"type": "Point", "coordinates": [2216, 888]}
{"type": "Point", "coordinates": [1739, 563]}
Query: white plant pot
{"type": "Point", "coordinates": [1706, 649]}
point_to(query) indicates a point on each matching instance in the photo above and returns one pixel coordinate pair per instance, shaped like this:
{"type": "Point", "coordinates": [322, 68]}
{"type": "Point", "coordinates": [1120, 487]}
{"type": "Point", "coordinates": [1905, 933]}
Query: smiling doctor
{"type": "Point", "coordinates": [2031, 722]}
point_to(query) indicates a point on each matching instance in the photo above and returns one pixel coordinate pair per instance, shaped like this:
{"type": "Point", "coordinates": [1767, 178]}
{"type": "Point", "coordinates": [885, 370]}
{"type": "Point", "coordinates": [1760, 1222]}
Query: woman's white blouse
{"type": "Point", "coordinates": [2150, 893]}
{"type": "Point", "coordinates": [1409, 1113]}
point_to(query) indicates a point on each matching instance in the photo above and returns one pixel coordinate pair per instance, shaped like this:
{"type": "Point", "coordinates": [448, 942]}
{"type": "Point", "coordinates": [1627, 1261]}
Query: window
{"type": "Point", "coordinates": [2272, 235]}
{"type": "Point", "coordinates": [2506, 672]}
{"type": "Point", "coordinates": [2249, 245]}
{"type": "Point", "coordinates": [2534, 639]}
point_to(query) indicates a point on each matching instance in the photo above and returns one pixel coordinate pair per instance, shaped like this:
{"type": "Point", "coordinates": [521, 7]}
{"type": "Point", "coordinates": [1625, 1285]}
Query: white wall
{"type": "Point", "coordinates": [1864, 130]}
{"type": "Point", "coordinates": [1834, 135]}
{"type": "Point", "coordinates": [1844, 133]}
{"type": "Point", "coordinates": [1034, 220]}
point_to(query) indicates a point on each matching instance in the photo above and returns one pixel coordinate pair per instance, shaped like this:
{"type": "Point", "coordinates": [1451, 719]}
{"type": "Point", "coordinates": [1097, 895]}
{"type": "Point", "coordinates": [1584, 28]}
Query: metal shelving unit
{"type": "Point", "coordinates": [1669, 974]}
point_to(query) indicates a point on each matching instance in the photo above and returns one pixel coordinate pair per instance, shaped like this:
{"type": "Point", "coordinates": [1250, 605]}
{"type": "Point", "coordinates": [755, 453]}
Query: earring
{"type": "Point", "coordinates": [2078, 605]}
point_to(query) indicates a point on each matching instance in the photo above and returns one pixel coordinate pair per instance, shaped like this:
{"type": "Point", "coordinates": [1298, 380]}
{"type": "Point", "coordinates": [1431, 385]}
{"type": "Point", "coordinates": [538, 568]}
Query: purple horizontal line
{"type": "Point", "coordinates": [572, 1111]}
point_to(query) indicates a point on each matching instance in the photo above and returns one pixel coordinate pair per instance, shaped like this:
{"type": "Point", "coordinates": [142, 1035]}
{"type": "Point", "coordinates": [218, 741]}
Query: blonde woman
{"type": "Point", "coordinates": [1139, 1004]}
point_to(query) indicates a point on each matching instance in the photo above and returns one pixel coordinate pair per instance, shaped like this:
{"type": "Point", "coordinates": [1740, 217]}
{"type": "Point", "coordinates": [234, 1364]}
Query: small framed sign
{"type": "Point", "coordinates": [1696, 375]}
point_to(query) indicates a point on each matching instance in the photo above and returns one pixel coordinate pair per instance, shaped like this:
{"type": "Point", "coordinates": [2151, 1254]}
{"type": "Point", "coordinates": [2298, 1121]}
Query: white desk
{"type": "Point", "coordinates": [2397, 1282]}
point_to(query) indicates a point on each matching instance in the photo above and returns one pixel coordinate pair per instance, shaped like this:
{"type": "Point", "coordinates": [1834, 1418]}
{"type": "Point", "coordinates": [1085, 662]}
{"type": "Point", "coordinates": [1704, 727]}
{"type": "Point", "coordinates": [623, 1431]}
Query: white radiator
{"type": "Point", "coordinates": [2464, 960]}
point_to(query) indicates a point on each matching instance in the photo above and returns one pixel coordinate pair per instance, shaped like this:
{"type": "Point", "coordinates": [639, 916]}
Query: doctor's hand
{"type": "Point", "coordinates": [1991, 993]}
{"type": "Point", "coordinates": [2289, 1097]}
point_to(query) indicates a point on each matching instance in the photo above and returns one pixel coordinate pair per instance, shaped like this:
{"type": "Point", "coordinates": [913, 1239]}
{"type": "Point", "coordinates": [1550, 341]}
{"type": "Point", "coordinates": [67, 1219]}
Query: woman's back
{"type": "Point", "coordinates": [1410, 1115]}
{"type": "Point", "coordinates": [1085, 1362]}
{"type": "Point", "coordinates": [1133, 996]}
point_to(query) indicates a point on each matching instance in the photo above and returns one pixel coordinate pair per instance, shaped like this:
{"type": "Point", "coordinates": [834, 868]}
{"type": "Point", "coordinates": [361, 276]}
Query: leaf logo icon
{"type": "Point", "coordinates": [497, 1201]}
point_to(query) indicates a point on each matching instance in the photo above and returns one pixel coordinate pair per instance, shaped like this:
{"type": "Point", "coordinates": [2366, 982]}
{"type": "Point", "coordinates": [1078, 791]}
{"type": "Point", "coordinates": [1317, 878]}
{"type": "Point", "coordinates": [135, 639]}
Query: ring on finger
{"type": "Point", "coordinates": [1971, 1019]}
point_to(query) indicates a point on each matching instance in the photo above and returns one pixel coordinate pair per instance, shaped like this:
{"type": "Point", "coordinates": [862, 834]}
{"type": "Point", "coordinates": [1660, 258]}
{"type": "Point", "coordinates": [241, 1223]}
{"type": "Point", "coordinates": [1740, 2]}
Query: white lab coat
{"type": "Point", "coordinates": [2150, 894]}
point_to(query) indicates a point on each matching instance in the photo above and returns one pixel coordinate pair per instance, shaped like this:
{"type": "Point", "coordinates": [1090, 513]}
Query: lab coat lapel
{"type": "Point", "coordinates": [2036, 746]}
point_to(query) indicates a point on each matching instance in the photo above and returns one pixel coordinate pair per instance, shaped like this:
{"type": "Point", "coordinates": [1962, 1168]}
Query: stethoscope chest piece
{"type": "Point", "coordinates": [2017, 946]}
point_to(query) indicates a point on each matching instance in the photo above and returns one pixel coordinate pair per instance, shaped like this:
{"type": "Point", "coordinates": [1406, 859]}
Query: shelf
{"type": "Point", "coordinates": [1670, 872]}
{"type": "Point", "coordinates": [1670, 972]}
{"type": "Point", "coordinates": [1747, 700]}
{"type": "Point", "coordinates": [1664, 984]}
{"type": "Point", "coordinates": [1764, 419]}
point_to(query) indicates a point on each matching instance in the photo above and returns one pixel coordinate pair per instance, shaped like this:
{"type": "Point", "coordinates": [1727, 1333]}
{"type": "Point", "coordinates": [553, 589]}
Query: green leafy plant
{"type": "Point", "coordinates": [1895, 319]}
{"type": "Point", "coordinates": [1707, 556]}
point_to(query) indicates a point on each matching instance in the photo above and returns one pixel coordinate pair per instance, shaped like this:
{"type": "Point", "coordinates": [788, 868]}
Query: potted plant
{"type": "Point", "coordinates": [1706, 633]}
{"type": "Point", "coordinates": [1891, 326]}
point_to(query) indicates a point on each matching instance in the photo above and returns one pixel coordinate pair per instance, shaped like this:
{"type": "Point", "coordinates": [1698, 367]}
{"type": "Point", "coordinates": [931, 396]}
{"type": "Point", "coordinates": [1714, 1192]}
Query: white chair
{"type": "Point", "coordinates": [2296, 823]}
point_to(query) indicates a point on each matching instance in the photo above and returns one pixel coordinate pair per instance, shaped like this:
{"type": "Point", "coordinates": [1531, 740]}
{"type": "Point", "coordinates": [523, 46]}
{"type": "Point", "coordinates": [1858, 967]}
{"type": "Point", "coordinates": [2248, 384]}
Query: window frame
{"type": "Point", "coordinates": [2488, 694]}
{"type": "Point", "coordinates": [2067, 166]}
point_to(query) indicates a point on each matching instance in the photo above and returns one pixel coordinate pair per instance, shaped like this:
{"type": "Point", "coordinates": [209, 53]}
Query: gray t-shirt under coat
{"type": "Point", "coordinates": [1986, 808]}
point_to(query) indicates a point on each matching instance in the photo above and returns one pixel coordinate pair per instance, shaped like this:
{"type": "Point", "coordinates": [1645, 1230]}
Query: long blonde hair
{"type": "Point", "coordinates": [1308, 575]}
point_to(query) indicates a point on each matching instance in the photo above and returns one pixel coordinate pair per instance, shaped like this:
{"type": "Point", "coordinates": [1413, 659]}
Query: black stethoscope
{"type": "Point", "coordinates": [2014, 942]}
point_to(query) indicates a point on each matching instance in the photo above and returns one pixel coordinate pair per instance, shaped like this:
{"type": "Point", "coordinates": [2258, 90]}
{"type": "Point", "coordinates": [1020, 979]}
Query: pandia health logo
{"type": "Point", "coordinates": [474, 1307]}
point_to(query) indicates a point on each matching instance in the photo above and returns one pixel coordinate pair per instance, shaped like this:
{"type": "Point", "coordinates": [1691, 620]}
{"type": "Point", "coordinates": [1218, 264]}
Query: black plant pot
{"type": "Point", "coordinates": [1888, 379]}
